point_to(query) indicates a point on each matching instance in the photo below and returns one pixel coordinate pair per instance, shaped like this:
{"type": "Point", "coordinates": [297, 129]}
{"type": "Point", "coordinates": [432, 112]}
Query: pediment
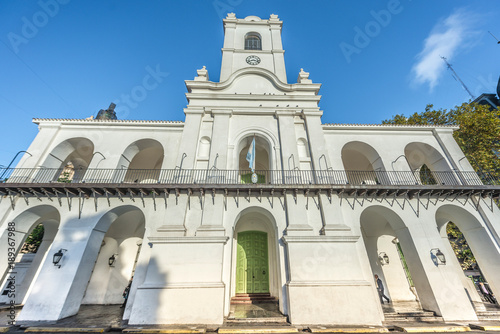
{"type": "Point", "coordinates": [251, 83]}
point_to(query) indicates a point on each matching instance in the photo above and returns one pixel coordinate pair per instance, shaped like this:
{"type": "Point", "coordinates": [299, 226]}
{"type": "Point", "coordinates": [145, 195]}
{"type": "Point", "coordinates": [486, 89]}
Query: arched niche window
{"type": "Point", "coordinates": [204, 148]}
{"type": "Point", "coordinates": [302, 148]}
{"type": "Point", "coordinates": [253, 41]}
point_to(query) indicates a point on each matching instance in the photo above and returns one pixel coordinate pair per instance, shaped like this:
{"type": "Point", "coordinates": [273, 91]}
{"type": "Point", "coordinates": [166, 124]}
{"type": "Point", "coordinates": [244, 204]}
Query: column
{"type": "Point", "coordinates": [438, 286]}
{"type": "Point", "coordinates": [183, 283]}
{"type": "Point", "coordinates": [57, 292]}
{"type": "Point", "coordinates": [295, 200]}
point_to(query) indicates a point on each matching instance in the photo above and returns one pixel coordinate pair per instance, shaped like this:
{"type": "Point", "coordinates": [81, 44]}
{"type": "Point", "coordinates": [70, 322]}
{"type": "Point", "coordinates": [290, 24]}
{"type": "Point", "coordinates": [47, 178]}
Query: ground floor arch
{"type": "Point", "coordinates": [386, 257]}
{"type": "Point", "coordinates": [480, 242]}
{"type": "Point", "coordinates": [115, 264]}
{"type": "Point", "coordinates": [406, 277]}
{"type": "Point", "coordinates": [27, 262]}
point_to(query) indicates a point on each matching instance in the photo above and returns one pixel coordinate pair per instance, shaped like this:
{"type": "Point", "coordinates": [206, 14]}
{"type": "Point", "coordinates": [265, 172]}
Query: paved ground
{"type": "Point", "coordinates": [88, 316]}
{"type": "Point", "coordinates": [251, 311]}
{"type": "Point", "coordinates": [109, 317]}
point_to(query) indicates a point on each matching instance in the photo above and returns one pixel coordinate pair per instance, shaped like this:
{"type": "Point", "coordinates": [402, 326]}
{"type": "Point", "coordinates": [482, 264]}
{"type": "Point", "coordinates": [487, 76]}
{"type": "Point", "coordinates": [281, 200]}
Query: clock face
{"type": "Point", "coordinates": [253, 60]}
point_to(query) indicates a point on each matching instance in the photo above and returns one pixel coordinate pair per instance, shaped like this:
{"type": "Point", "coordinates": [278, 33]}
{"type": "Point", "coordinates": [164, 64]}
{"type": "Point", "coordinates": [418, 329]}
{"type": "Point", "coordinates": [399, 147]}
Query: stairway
{"type": "Point", "coordinates": [255, 309]}
{"type": "Point", "coordinates": [488, 315]}
{"type": "Point", "coordinates": [252, 298]}
{"type": "Point", "coordinates": [426, 316]}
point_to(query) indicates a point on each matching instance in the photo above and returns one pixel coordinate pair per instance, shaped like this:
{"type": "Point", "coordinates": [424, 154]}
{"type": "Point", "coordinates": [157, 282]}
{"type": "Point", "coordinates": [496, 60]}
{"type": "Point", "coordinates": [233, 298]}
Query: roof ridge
{"type": "Point", "coordinates": [392, 125]}
{"type": "Point", "coordinates": [105, 120]}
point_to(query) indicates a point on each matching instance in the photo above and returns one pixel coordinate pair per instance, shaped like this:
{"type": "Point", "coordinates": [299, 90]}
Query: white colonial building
{"type": "Point", "coordinates": [175, 205]}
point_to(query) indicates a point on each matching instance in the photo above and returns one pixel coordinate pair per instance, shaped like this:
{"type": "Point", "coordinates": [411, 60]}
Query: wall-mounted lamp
{"type": "Point", "coordinates": [438, 256]}
{"type": "Point", "coordinates": [383, 258]}
{"type": "Point", "coordinates": [112, 260]}
{"type": "Point", "coordinates": [58, 256]}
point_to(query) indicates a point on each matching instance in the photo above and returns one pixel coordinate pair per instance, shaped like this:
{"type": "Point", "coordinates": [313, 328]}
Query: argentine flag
{"type": "Point", "coordinates": [251, 155]}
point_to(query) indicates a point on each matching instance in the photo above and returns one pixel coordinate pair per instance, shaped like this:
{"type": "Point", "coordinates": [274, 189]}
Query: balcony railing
{"type": "Point", "coordinates": [237, 177]}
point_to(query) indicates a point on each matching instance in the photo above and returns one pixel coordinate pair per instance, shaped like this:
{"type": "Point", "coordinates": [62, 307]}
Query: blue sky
{"type": "Point", "coordinates": [375, 59]}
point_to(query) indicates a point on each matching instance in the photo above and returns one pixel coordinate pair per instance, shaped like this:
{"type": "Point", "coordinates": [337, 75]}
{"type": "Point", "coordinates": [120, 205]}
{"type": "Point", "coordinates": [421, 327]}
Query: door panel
{"type": "Point", "coordinates": [252, 268]}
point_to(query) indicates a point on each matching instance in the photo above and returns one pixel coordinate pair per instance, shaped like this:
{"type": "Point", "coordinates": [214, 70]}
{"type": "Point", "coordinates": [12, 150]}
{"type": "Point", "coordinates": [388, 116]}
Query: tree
{"type": "Point", "coordinates": [34, 240]}
{"type": "Point", "coordinates": [460, 247]}
{"type": "Point", "coordinates": [479, 138]}
{"type": "Point", "coordinates": [478, 135]}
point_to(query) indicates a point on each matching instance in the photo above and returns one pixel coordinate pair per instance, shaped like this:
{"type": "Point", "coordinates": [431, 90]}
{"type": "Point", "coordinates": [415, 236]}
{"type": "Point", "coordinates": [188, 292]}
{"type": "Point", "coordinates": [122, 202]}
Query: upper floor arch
{"type": "Point", "coordinates": [76, 151]}
{"type": "Point", "coordinates": [265, 141]}
{"type": "Point", "coordinates": [417, 154]}
{"type": "Point", "coordinates": [362, 163]}
{"type": "Point", "coordinates": [427, 164]}
{"type": "Point", "coordinates": [141, 160]}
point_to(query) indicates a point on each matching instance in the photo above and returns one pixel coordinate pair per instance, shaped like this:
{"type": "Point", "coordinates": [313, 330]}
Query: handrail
{"type": "Point", "coordinates": [233, 177]}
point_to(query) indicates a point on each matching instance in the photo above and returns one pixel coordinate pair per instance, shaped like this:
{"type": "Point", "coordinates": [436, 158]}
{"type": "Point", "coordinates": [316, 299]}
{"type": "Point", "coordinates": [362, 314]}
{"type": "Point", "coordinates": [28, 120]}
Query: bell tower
{"type": "Point", "coordinates": [252, 42]}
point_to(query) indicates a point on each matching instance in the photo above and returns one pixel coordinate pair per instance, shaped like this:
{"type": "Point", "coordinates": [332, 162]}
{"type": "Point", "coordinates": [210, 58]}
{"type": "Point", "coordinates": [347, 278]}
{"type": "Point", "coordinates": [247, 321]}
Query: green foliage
{"type": "Point", "coordinates": [460, 247]}
{"type": "Point", "coordinates": [478, 134]}
{"type": "Point", "coordinates": [64, 177]}
{"type": "Point", "coordinates": [34, 240]}
{"type": "Point", "coordinates": [426, 176]}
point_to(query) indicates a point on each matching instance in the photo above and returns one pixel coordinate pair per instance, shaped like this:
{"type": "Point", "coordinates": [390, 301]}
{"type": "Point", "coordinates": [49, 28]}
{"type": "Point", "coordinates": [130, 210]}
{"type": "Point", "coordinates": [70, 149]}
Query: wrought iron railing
{"type": "Point", "coordinates": [234, 177]}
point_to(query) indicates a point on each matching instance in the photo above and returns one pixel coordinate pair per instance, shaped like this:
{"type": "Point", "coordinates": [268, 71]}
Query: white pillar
{"type": "Point", "coordinates": [58, 292]}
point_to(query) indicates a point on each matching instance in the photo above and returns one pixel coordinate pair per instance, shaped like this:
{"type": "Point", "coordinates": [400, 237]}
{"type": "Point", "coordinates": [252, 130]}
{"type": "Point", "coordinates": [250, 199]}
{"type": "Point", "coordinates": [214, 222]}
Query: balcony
{"type": "Point", "coordinates": [49, 181]}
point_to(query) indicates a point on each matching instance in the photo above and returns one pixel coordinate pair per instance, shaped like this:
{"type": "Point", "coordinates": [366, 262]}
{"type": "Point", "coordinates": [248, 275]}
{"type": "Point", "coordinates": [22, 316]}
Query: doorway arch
{"type": "Point", "coordinates": [260, 222]}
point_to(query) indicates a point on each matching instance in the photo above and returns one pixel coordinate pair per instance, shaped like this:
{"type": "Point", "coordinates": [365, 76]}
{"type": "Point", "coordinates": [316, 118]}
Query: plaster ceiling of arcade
{"type": "Point", "coordinates": [127, 225]}
{"type": "Point", "coordinates": [354, 160]}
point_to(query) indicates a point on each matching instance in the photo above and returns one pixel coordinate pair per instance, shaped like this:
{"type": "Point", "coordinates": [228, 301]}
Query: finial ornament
{"type": "Point", "coordinates": [303, 77]}
{"type": "Point", "coordinates": [202, 74]}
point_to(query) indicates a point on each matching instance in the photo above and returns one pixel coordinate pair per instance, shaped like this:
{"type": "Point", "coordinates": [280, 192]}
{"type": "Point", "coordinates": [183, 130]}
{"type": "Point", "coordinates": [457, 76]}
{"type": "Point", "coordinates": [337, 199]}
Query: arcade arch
{"type": "Point", "coordinates": [67, 162]}
{"type": "Point", "coordinates": [362, 164]}
{"type": "Point", "coordinates": [485, 250]}
{"type": "Point", "coordinates": [140, 162]}
{"type": "Point", "coordinates": [384, 231]}
{"type": "Point", "coordinates": [428, 164]}
{"type": "Point", "coordinates": [122, 242]}
{"type": "Point", "coordinates": [28, 264]}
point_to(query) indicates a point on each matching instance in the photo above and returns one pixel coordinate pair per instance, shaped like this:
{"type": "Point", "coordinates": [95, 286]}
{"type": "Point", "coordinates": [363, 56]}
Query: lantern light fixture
{"type": "Point", "coordinates": [383, 258]}
{"type": "Point", "coordinates": [112, 259]}
{"type": "Point", "coordinates": [58, 257]}
{"type": "Point", "coordinates": [438, 256]}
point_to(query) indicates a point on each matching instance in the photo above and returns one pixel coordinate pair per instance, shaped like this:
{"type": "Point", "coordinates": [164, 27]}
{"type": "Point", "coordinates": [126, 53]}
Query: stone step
{"type": "Point", "coordinates": [488, 313]}
{"type": "Point", "coordinates": [253, 298]}
{"type": "Point", "coordinates": [409, 314]}
{"type": "Point", "coordinates": [416, 319]}
{"type": "Point", "coordinates": [253, 294]}
{"type": "Point", "coordinates": [252, 301]}
{"type": "Point", "coordinates": [262, 321]}
{"type": "Point", "coordinates": [488, 317]}
{"type": "Point", "coordinates": [418, 316]}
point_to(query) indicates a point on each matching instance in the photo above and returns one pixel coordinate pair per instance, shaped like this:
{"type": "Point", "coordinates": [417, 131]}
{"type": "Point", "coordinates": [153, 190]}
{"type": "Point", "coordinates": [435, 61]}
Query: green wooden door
{"type": "Point", "coordinates": [252, 269]}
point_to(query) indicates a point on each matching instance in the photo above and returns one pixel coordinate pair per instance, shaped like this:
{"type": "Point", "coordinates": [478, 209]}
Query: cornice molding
{"type": "Point", "coordinates": [190, 84]}
{"type": "Point", "coordinates": [444, 128]}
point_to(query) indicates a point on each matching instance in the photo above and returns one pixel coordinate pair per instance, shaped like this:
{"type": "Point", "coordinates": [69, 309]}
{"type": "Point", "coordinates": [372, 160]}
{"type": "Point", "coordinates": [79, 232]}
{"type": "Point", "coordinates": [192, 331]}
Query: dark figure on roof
{"type": "Point", "coordinates": [108, 113]}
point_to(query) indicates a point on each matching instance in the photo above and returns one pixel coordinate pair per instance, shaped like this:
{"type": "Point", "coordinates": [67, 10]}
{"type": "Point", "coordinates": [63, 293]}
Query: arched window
{"type": "Point", "coordinates": [252, 42]}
